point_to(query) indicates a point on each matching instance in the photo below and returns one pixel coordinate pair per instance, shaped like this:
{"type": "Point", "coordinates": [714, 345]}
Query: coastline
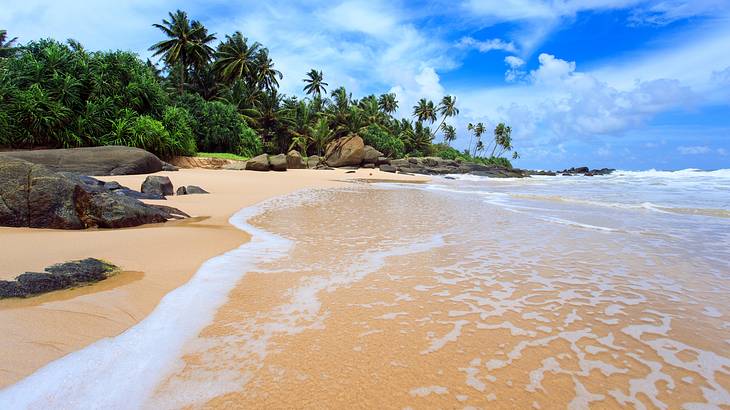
{"type": "Point", "coordinates": [155, 259]}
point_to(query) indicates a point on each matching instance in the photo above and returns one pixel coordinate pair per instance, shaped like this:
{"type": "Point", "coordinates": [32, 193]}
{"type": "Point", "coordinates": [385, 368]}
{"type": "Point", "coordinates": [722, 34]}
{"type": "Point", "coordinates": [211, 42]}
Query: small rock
{"type": "Point", "coordinates": [368, 166]}
{"type": "Point", "coordinates": [113, 185]}
{"type": "Point", "coordinates": [193, 189]}
{"type": "Point", "coordinates": [157, 185]}
{"type": "Point", "coordinates": [169, 167]}
{"type": "Point", "coordinates": [350, 172]}
{"type": "Point", "coordinates": [181, 191]}
{"type": "Point", "coordinates": [388, 168]}
{"type": "Point", "coordinates": [56, 277]}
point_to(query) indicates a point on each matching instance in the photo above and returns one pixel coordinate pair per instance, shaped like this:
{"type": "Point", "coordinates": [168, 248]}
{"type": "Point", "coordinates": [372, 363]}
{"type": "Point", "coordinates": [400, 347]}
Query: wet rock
{"type": "Point", "coordinates": [294, 160]}
{"type": "Point", "coordinates": [345, 151]}
{"type": "Point", "coordinates": [56, 277]}
{"type": "Point", "coordinates": [278, 162]}
{"type": "Point", "coordinates": [157, 185]}
{"type": "Point", "coordinates": [109, 160]}
{"type": "Point", "coordinates": [259, 163]}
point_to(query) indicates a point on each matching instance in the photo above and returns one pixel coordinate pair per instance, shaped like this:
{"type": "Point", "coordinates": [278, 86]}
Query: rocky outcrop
{"type": "Point", "coordinates": [371, 155]}
{"type": "Point", "coordinates": [313, 161]}
{"type": "Point", "coordinates": [294, 160]}
{"type": "Point", "coordinates": [204, 162]}
{"type": "Point", "coordinates": [278, 162]}
{"type": "Point", "coordinates": [157, 185]}
{"type": "Point", "coordinates": [33, 196]}
{"type": "Point", "coordinates": [345, 151]}
{"type": "Point", "coordinates": [440, 166]}
{"type": "Point", "coordinates": [110, 160]}
{"type": "Point", "coordinates": [56, 277]}
{"type": "Point", "coordinates": [259, 163]}
{"type": "Point", "coordinates": [190, 190]}
{"type": "Point", "coordinates": [585, 171]}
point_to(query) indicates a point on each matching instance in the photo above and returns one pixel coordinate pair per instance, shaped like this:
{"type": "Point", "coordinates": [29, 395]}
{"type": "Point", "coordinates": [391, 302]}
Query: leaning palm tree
{"type": "Point", "coordinates": [388, 103]}
{"type": "Point", "coordinates": [6, 46]}
{"type": "Point", "coordinates": [315, 84]}
{"type": "Point", "coordinates": [186, 46]}
{"type": "Point", "coordinates": [425, 111]}
{"type": "Point", "coordinates": [235, 58]}
{"type": "Point", "coordinates": [478, 130]}
{"type": "Point", "coordinates": [449, 134]}
{"type": "Point", "coordinates": [447, 108]}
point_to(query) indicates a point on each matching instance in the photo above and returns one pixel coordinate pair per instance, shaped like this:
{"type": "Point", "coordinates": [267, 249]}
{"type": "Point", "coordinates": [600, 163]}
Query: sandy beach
{"type": "Point", "coordinates": [155, 260]}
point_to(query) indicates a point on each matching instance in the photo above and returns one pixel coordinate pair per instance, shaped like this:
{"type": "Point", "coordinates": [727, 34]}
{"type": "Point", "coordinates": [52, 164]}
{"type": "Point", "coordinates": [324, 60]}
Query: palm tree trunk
{"type": "Point", "coordinates": [182, 78]}
{"type": "Point", "coordinates": [468, 147]}
{"type": "Point", "coordinates": [439, 127]}
{"type": "Point", "coordinates": [494, 149]}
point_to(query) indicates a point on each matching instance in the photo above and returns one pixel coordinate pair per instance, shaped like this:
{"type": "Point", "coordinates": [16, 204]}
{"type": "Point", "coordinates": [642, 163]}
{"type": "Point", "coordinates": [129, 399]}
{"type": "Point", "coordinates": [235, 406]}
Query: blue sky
{"type": "Point", "coordinates": [631, 84]}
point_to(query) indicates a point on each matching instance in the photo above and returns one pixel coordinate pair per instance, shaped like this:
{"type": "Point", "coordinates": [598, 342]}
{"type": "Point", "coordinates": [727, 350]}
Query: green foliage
{"type": "Point", "coordinates": [222, 155]}
{"type": "Point", "coordinates": [381, 140]}
{"type": "Point", "coordinates": [178, 123]}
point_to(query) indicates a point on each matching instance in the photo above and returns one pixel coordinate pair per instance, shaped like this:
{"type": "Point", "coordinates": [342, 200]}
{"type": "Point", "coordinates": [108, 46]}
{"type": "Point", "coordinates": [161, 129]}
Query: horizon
{"type": "Point", "coordinates": [625, 84]}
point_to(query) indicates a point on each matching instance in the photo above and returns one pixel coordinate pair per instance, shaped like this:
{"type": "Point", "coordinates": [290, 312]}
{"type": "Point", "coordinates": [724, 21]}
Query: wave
{"type": "Point", "coordinates": [121, 372]}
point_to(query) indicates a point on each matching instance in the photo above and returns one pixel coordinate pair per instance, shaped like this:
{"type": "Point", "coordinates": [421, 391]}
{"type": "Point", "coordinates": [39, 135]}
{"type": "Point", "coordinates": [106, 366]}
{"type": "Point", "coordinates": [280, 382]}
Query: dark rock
{"type": "Point", "coordinates": [157, 185]}
{"type": "Point", "coordinates": [137, 195]}
{"type": "Point", "coordinates": [113, 185]}
{"type": "Point", "coordinates": [345, 151]}
{"type": "Point", "coordinates": [181, 191]}
{"type": "Point", "coordinates": [448, 177]}
{"type": "Point", "coordinates": [324, 167]}
{"type": "Point", "coordinates": [259, 163]}
{"type": "Point", "coordinates": [278, 162]}
{"type": "Point", "coordinates": [33, 196]}
{"type": "Point", "coordinates": [56, 277]}
{"type": "Point", "coordinates": [110, 160]}
{"type": "Point", "coordinates": [383, 160]}
{"type": "Point", "coordinates": [294, 160]}
{"type": "Point", "coordinates": [166, 166]}
{"type": "Point", "coordinates": [170, 212]}
{"type": "Point", "coordinates": [371, 155]}
{"type": "Point", "coordinates": [350, 172]}
{"type": "Point", "coordinates": [368, 166]}
{"type": "Point", "coordinates": [190, 190]}
{"type": "Point", "coordinates": [413, 160]}
{"type": "Point", "coordinates": [580, 170]}
{"type": "Point", "coordinates": [313, 161]}
{"type": "Point", "coordinates": [387, 168]}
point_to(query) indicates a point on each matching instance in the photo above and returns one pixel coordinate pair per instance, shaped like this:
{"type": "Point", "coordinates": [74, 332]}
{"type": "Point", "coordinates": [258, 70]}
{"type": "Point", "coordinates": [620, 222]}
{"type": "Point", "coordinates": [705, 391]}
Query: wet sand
{"type": "Point", "coordinates": [156, 259]}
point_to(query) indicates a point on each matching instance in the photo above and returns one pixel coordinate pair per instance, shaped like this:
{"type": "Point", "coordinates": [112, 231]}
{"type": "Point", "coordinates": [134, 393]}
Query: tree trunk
{"type": "Point", "coordinates": [182, 78]}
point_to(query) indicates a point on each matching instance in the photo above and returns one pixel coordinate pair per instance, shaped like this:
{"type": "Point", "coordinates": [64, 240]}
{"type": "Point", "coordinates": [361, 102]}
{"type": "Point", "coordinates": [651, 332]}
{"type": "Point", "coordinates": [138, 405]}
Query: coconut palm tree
{"type": "Point", "coordinates": [267, 77]}
{"type": "Point", "coordinates": [447, 108]}
{"type": "Point", "coordinates": [6, 46]}
{"type": "Point", "coordinates": [388, 103]}
{"type": "Point", "coordinates": [186, 46]}
{"type": "Point", "coordinates": [235, 58]}
{"type": "Point", "coordinates": [515, 155]}
{"type": "Point", "coordinates": [502, 138]}
{"type": "Point", "coordinates": [315, 84]}
{"type": "Point", "coordinates": [425, 111]}
{"type": "Point", "coordinates": [321, 135]}
{"type": "Point", "coordinates": [478, 129]}
{"type": "Point", "coordinates": [449, 134]}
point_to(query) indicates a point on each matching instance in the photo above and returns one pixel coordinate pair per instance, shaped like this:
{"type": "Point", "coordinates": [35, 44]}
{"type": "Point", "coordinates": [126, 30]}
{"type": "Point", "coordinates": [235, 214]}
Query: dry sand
{"type": "Point", "coordinates": [156, 259]}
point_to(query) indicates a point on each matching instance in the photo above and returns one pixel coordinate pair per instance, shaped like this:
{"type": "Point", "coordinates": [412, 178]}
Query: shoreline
{"type": "Point", "coordinates": [155, 260]}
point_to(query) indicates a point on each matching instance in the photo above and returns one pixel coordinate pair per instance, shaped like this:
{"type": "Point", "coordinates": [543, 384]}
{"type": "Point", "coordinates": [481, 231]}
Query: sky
{"type": "Point", "coordinates": [628, 84]}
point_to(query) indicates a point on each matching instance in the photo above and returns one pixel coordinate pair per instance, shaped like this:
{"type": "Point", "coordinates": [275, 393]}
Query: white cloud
{"type": "Point", "coordinates": [514, 72]}
{"type": "Point", "coordinates": [693, 150]}
{"type": "Point", "coordinates": [487, 45]}
{"type": "Point", "coordinates": [514, 62]}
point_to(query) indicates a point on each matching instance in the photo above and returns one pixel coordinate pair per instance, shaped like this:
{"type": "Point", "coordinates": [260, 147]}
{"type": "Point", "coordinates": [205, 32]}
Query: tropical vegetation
{"type": "Point", "coordinates": [202, 96]}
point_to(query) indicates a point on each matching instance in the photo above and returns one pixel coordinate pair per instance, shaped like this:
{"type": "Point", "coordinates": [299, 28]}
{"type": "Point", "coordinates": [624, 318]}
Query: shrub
{"type": "Point", "coordinates": [177, 122]}
{"type": "Point", "coordinates": [383, 141]}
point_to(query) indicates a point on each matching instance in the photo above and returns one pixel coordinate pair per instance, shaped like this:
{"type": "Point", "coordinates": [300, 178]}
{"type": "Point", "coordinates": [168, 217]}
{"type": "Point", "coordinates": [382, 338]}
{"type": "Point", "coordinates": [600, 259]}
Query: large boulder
{"type": "Point", "coordinates": [294, 160]}
{"type": "Point", "coordinates": [371, 155]}
{"type": "Point", "coordinates": [110, 160]}
{"type": "Point", "coordinates": [278, 162]}
{"type": "Point", "coordinates": [345, 151]}
{"type": "Point", "coordinates": [259, 163]}
{"type": "Point", "coordinates": [313, 161]}
{"type": "Point", "coordinates": [33, 196]}
{"type": "Point", "coordinates": [157, 185]}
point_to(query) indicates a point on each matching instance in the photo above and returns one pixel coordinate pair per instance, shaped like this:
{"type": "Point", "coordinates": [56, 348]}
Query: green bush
{"type": "Point", "coordinates": [381, 140]}
{"type": "Point", "coordinates": [446, 152]}
{"type": "Point", "coordinates": [177, 122]}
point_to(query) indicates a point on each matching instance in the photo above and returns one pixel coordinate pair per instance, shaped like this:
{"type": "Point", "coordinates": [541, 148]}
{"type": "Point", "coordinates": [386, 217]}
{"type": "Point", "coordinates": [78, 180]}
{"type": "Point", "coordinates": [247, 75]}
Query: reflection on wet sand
{"type": "Point", "coordinates": [393, 298]}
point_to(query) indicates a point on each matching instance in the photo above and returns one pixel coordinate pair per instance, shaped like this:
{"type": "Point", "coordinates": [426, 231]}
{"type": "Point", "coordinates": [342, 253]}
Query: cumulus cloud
{"type": "Point", "coordinates": [514, 72]}
{"type": "Point", "coordinates": [486, 45]}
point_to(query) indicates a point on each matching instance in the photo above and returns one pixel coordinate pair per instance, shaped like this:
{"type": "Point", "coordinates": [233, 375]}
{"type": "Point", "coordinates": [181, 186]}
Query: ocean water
{"type": "Point", "coordinates": [547, 292]}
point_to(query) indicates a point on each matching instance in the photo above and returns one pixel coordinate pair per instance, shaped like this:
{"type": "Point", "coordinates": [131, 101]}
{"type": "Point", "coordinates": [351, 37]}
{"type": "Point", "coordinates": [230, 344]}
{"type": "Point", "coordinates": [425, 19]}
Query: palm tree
{"type": "Point", "coordinates": [321, 135]}
{"type": "Point", "coordinates": [478, 130]}
{"type": "Point", "coordinates": [267, 77]}
{"type": "Point", "coordinates": [6, 46]}
{"type": "Point", "coordinates": [425, 111]}
{"type": "Point", "coordinates": [502, 138]}
{"type": "Point", "coordinates": [515, 155]}
{"type": "Point", "coordinates": [447, 108]}
{"type": "Point", "coordinates": [388, 103]}
{"type": "Point", "coordinates": [235, 58]}
{"type": "Point", "coordinates": [449, 134]}
{"type": "Point", "coordinates": [186, 46]}
{"type": "Point", "coordinates": [315, 84]}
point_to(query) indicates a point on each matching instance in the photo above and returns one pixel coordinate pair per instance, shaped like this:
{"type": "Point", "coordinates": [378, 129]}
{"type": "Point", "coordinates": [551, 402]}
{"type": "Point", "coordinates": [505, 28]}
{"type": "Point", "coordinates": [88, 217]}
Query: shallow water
{"type": "Point", "coordinates": [540, 293]}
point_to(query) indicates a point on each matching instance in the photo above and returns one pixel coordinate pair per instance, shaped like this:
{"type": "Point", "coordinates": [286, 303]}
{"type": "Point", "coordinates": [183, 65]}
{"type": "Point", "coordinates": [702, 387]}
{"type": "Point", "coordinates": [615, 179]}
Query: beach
{"type": "Point", "coordinates": [155, 258]}
{"type": "Point", "coordinates": [546, 292]}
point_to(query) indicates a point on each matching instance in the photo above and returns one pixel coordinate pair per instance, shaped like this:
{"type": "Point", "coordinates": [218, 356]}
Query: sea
{"type": "Point", "coordinates": [466, 292]}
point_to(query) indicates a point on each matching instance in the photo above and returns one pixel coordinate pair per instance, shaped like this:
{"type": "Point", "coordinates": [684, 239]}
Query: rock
{"type": "Point", "coordinates": [56, 277]}
{"type": "Point", "coordinates": [206, 163]}
{"type": "Point", "coordinates": [35, 197]}
{"type": "Point", "coordinates": [112, 185]}
{"type": "Point", "coordinates": [137, 195]}
{"type": "Point", "coordinates": [278, 162]}
{"type": "Point", "coordinates": [169, 167]}
{"type": "Point", "coordinates": [110, 160]}
{"type": "Point", "coordinates": [345, 151]}
{"type": "Point", "coordinates": [294, 160]}
{"type": "Point", "coordinates": [388, 168]}
{"type": "Point", "coordinates": [259, 163]}
{"type": "Point", "coordinates": [448, 177]}
{"type": "Point", "coordinates": [350, 172]}
{"type": "Point", "coordinates": [383, 160]}
{"type": "Point", "coordinates": [368, 166]}
{"type": "Point", "coordinates": [235, 166]}
{"type": "Point", "coordinates": [190, 190]}
{"type": "Point", "coordinates": [371, 155]}
{"type": "Point", "coordinates": [580, 170]}
{"type": "Point", "coordinates": [413, 160]}
{"type": "Point", "coordinates": [323, 167]}
{"type": "Point", "coordinates": [313, 161]}
{"type": "Point", "coordinates": [157, 185]}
